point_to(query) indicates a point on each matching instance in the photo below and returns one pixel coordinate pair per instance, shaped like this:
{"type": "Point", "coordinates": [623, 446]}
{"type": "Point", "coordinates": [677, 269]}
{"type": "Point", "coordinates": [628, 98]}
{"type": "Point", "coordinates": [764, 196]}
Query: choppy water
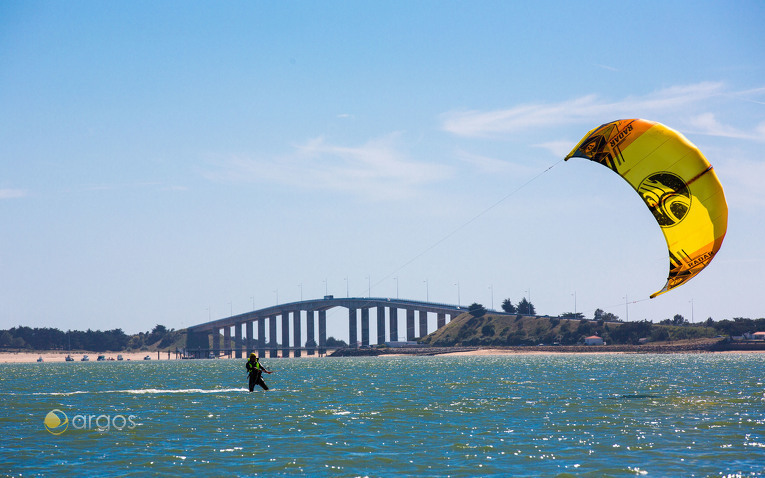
{"type": "Point", "coordinates": [540, 415]}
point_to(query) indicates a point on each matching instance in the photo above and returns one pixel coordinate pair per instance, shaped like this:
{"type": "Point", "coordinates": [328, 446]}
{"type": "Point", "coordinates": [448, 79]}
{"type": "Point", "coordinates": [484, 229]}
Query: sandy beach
{"type": "Point", "coordinates": [48, 357]}
{"type": "Point", "coordinates": [57, 356]}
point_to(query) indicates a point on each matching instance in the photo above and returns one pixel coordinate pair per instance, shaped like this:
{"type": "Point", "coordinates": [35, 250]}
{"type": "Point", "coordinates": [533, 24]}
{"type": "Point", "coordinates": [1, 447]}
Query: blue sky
{"type": "Point", "coordinates": [166, 162]}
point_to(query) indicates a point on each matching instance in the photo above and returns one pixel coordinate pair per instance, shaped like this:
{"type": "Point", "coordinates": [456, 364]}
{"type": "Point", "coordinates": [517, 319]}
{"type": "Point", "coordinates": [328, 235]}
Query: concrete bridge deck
{"type": "Point", "coordinates": [250, 340]}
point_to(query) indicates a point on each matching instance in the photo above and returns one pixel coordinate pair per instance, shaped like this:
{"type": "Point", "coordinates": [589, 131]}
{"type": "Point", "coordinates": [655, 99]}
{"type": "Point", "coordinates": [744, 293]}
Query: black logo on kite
{"type": "Point", "coordinates": [595, 149]}
{"type": "Point", "coordinates": [667, 196]}
{"type": "Point", "coordinates": [603, 146]}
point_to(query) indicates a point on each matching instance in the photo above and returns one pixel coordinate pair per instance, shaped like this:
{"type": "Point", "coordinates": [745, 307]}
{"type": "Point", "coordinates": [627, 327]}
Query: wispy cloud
{"type": "Point", "coordinates": [708, 124]}
{"type": "Point", "coordinates": [140, 185]}
{"type": "Point", "coordinates": [557, 148]}
{"type": "Point", "coordinates": [377, 169]}
{"type": "Point", "coordinates": [585, 109]}
{"type": "Point", "coordinates": [753, 95]}
{"type": "Point", "coordinates": [742, 178]}
{"type": "Point", "coordinates": [488, 165]}
{"type": "Point", "coordinates": [12, 193]}
{"type": "Point", "coordinates": [606, 67]}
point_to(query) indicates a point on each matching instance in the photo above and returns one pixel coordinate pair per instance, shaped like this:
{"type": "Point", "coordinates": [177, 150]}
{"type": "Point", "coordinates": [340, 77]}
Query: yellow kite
{"type": "Point", "coordinates": [676, 182]}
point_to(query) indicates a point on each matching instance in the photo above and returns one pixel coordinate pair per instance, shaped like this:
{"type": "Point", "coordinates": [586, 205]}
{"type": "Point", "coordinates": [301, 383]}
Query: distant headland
{"type": "Point", "coordinates": [474, 332]}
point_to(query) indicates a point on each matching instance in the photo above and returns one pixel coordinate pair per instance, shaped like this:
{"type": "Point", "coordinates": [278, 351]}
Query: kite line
{"type": "Point", "coordinates": [467, 223]}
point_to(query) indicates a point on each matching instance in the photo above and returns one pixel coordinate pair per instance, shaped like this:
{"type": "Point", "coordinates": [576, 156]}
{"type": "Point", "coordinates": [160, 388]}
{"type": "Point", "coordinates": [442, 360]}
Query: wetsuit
{"type": "Point", "coordinates": [256, 370]}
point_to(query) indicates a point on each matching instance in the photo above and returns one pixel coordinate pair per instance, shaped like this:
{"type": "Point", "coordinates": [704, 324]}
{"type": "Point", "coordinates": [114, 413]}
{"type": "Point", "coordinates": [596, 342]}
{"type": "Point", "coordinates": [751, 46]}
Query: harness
{"type": "Point", "coordinates": [253, 367]}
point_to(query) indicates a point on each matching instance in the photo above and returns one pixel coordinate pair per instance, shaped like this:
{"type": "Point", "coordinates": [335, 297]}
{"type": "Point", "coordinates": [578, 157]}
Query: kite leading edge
{"type": "Point", "coordinates": [676, 182]}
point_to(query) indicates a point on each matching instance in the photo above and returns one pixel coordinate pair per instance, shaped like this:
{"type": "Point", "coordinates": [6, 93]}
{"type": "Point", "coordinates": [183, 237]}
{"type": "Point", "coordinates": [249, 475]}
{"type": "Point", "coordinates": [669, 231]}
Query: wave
{"type": "Point", "coordinates": [140, 391]}
{"type": "Point", "coordinates": [182, 390]}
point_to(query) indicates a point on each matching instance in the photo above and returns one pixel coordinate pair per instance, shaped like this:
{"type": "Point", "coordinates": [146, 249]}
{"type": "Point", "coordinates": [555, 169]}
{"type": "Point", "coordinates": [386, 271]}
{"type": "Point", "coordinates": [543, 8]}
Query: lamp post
{"type": "Point", "coordinates": [458, 293]}
{"type": "Point", "coordinates": [691, 310]}
{"type": "Point", "coordinates": [427, 291]}
{"type": "Point", "coordinates": [396, 279]}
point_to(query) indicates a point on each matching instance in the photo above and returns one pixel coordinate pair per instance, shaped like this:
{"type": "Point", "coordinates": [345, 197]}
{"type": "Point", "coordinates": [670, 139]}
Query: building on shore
{"type": "Point", "coordinates": [593, 340]}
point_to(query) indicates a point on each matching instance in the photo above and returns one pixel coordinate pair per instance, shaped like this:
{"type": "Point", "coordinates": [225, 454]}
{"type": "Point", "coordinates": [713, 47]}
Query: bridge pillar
{"type": "Point", "coordinates": [227, 341]}
{"type": "Point", "coordinates": [322, 332]}
{"type": "Point", "coordinates": [296, 333]}
{"type": "Point", "coordinates": [393, 322]}
{"type": "Point", "coordinates": [380, 325]}
{"type": "Point", "coordinates": [352, 332]}
{"type": "Point", "coordinates": [197, 341]}
{"type": "Point", "coordinates": [409, 324]}
{"type": "Point", "coordinates": [423, 323]}
{"type": "Point", "coordinates": [365, 326]}
{"type": "Point", "coordinates": [272, 337]}
{"type": "Point", "coordinates": [238, 340]}
{"type": "Point", "coordinates": [285, 334]}
{"type": "Point", "coordinates": [249, 344]}
{"type": "Point", "coordinates": [310, 340]}
{"type": "Point", "coordinates": [440, 320]}
{"type": "Point", "coordinates": [216, 342]}
{"type": "Point", "coordinates": [261, 337]}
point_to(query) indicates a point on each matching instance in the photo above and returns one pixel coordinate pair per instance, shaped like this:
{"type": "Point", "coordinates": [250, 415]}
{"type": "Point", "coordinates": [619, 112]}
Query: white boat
{"type": "Point", "coordinates": [69, 358]}
{"type": "Point", "coordinates": [147, 358]}
{"type": "Point", "coordinates": [84, 358]}
{"type": "Point", "coordinates": [119, 357]}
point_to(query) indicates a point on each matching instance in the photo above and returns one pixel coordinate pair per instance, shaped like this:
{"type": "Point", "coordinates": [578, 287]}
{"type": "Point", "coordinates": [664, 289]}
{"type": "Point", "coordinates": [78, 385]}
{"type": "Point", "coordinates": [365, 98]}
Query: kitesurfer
{"type": "Point", "coordinates": [255, 370]}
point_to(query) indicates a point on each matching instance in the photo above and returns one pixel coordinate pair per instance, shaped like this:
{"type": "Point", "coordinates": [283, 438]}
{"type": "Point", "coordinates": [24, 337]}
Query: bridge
{"type": "Point", "coordinates": [248, 340]}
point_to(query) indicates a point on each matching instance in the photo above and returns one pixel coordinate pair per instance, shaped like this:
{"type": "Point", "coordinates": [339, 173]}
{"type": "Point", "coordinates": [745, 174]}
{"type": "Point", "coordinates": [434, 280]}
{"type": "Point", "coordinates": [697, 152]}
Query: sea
{"type": "Point", "coordinates": [561, 415]}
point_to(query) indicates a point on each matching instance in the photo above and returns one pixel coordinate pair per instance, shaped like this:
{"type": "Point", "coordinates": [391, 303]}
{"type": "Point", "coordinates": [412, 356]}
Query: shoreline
{"type": "Point", "coordinates": [685, 346]}
{"type": "Point", "coordinates": [59, 356]}
{"type": "Point", "coordinates": [55, 356]}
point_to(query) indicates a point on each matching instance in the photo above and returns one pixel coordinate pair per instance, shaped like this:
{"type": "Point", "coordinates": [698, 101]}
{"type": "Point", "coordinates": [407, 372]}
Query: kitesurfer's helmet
{"type": "Point", "coordinates": [253, 356]}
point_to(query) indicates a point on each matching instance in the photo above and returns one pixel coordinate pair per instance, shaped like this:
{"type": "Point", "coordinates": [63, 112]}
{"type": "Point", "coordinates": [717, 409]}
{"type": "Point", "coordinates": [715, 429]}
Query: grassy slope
{"type": "Point", "coordinates": [500, 330]}
{"type": "Point", "coordinates": [467, 330]}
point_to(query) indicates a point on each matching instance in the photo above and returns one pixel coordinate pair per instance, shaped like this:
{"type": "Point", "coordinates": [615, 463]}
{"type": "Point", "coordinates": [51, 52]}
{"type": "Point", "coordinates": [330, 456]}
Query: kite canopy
{"type": "Point", "coordinates": [676, 182]}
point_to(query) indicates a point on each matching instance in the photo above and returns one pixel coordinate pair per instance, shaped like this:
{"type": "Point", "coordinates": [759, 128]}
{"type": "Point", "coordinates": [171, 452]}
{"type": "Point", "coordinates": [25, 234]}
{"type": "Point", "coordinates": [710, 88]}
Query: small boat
{"type": "Point", "coordinates": [69, 358]}
{"type": "Point", "coordinates": [147, 358]}
{"type": "Point", "coordinates": [119, 357]}
{"type": "Point", "coordinates": [84, 358]}
{"type": "Point", "coordinates": [40, 359]}
{"type": "Point", "coordinates": [100, 358]}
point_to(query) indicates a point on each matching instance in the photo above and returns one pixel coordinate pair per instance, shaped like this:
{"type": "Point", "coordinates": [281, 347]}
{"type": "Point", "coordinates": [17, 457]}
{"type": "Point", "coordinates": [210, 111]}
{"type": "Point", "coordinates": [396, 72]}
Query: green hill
{"type": "Point", "coordinates": [504, 330]}
{"type": "Point", "coordinates": [501, 329]}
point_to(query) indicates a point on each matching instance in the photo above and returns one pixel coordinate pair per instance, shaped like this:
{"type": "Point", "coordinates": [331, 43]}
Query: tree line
{"type": "Point", "coordinates": [47, 338]}
{"type": "Point", "coordinates": [115, 340]}
{"type": "Point", "coordinates": [569, 333]}
{"type": "Point", "coordinates": [736, 326]}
